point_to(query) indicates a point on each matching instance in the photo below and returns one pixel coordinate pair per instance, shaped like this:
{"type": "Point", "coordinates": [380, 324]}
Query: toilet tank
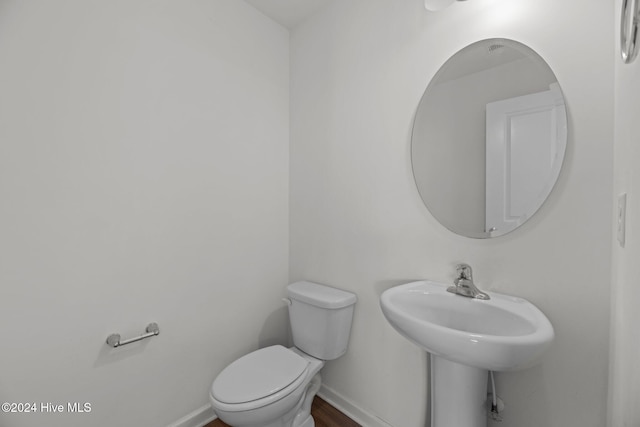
{"type": "Point", "coordinates": [320, 318]}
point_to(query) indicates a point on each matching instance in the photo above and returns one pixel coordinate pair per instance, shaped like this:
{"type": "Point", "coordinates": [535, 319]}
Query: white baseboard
{"type": "Point", "coordinates": [205, 414]}
{"type": "Point", "coordinates": [357, 414]}
{"type": "Point", "coordinates": [197, 418]}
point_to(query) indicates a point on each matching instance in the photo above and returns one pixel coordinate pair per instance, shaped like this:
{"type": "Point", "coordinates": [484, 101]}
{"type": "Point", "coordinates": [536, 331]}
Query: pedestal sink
{"type": "Point", "coordinates": [466, 338]}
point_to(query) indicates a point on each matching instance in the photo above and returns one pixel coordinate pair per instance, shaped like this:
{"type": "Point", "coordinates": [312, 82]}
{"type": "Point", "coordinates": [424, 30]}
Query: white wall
{"type": "Point", "coordinates": [143, 177]}
{"type": "Point", "coordinates": [358, 71]}
{"type": "Point", "coordinates": [624, 385]}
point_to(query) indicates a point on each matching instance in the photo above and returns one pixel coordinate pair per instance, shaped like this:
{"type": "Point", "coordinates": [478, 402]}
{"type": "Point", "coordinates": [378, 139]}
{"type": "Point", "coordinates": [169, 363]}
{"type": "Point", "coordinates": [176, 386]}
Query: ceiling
{"type": "Point", "coordinates": [289, 13]}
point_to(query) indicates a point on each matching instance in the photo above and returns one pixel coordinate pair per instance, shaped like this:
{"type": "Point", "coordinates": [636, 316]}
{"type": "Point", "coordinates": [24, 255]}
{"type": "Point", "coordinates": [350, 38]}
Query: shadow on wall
{"type": "Point", "coordinates": [276, 329]}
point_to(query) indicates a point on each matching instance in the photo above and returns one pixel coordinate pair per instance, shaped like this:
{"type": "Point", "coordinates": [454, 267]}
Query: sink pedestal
{"type": "Point", "coordinates": [458, 394]}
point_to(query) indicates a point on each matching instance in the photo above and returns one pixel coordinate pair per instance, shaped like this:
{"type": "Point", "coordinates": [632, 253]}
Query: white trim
{"type": "Point", "coordinates": [350, 409]}
{"type": "Point", "coordinates": [198, 418]}
{"type": "Point", "coordinates": [204, 415]}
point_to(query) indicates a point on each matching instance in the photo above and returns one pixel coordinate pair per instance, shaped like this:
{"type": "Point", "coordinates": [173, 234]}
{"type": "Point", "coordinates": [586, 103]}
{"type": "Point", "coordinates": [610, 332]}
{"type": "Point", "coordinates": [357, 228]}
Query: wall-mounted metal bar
{"type": "Point", "coordinates": [113, 340]}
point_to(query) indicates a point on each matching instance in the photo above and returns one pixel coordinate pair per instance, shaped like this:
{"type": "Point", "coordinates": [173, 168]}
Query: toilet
{"type": "Point", "coordinates": [274, 386]}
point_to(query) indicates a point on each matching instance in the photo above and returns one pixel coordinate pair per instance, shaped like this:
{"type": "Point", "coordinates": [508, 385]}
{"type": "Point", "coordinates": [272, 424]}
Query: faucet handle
{"type": "Point", "coordinates": [463, 271]}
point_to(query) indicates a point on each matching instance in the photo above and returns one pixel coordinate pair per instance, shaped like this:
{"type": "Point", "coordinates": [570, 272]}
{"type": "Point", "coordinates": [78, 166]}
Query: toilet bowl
{"type": "Point", "coordinates": [266, 388]}
{"type": "Point", "coordinates": [275, 386]}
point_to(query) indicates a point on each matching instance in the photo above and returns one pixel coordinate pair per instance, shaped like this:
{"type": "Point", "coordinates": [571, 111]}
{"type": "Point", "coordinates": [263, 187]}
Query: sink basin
{"type": "Point", "coordinates": [501, 334]}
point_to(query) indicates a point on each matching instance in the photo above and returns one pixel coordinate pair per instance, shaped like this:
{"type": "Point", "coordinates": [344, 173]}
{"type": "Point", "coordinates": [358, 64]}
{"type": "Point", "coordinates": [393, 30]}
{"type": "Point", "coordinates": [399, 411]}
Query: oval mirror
{"type": "Point", "coordinates": [489, 138]}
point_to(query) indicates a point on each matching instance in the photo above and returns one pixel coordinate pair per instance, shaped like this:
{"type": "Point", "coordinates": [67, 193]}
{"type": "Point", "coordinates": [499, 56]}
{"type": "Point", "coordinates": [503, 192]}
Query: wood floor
{"type": "Point", "coordinates": [324, 415]}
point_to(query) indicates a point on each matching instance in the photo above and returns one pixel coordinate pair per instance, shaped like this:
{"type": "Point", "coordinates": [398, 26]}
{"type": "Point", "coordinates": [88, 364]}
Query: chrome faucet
{"type": "Point", "coordinates": [463, 284]}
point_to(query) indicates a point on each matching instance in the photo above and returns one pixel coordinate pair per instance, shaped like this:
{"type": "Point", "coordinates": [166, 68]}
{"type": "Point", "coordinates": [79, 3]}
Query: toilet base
{"type": "Point", "coordinates": [309, 422]}
{"type": "Point", "coordinates": [303, 418]}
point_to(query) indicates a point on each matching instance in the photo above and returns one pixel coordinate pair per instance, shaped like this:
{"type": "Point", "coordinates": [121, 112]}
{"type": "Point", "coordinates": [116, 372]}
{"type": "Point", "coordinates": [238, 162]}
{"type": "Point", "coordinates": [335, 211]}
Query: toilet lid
{"type": "Point", "coordinates": [258, 374]}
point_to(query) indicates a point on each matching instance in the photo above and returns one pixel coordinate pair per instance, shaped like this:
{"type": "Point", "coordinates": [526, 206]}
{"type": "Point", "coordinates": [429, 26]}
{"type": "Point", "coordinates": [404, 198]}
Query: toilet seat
{"type": "Point", "coordinates": [259, 379]}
